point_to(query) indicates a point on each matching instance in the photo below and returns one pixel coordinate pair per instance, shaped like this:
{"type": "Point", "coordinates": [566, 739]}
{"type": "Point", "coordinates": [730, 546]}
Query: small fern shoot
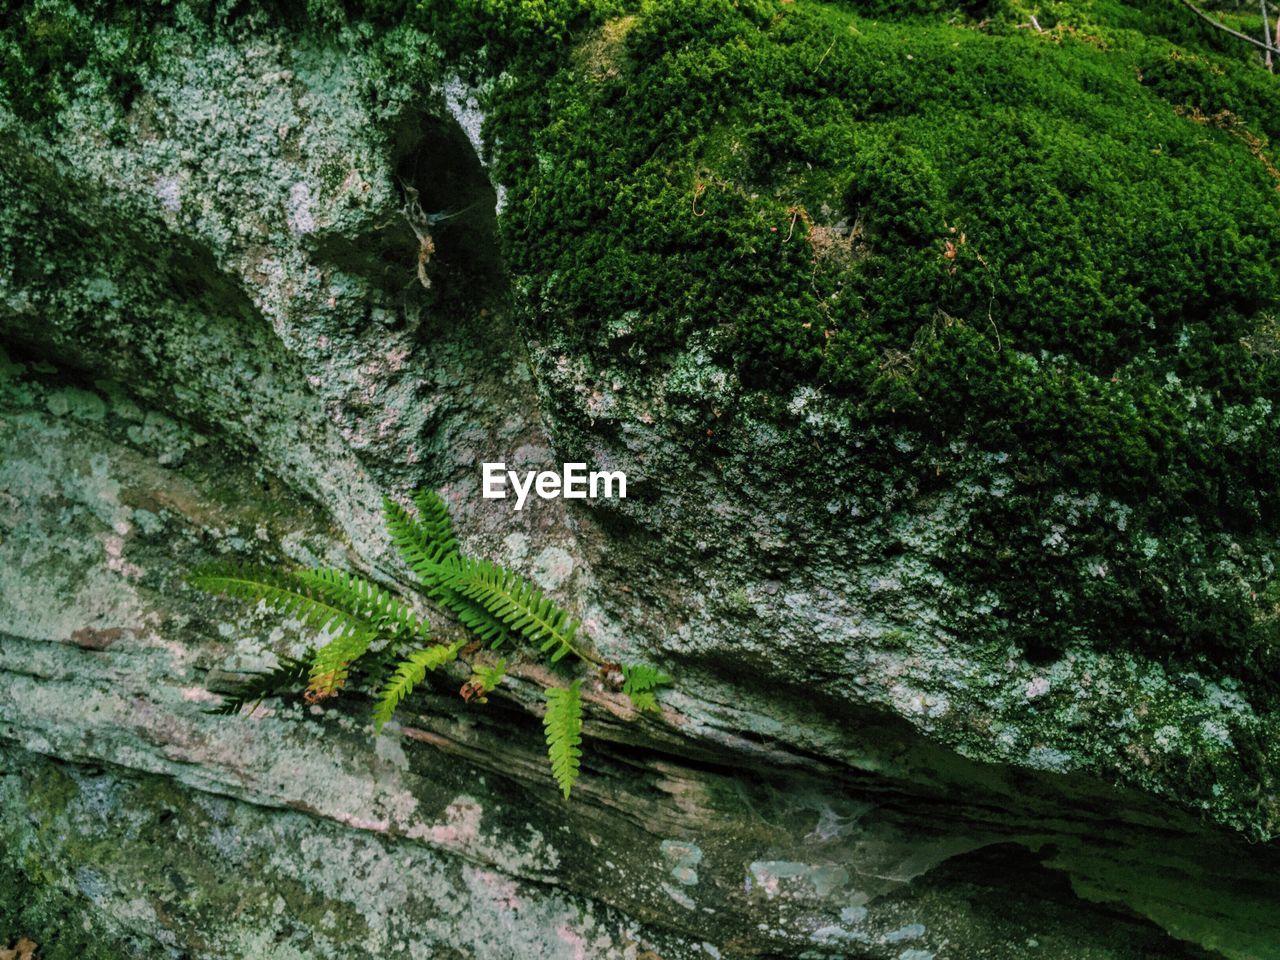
{"type": "Point", "coordinates": [639, 682]}
{"type": "Point", "coordinates": [408, 675]}
{"type": "Point", "coordinates": [488, 677]}
{"type": "Point", "coordinates": [483, 681]}
{"type": "Point", "coordinates": [563, 725]}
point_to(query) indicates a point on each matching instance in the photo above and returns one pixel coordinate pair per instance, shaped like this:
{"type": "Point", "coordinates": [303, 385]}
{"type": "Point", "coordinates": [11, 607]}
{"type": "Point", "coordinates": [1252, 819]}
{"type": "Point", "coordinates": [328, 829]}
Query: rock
{"type": "Point", "coordinates": [215, 345]}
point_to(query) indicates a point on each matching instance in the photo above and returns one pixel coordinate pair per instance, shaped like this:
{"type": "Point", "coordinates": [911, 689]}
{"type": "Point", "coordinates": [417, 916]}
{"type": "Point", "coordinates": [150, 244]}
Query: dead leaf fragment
{"type": "Point", "coordinates": [25, 950]}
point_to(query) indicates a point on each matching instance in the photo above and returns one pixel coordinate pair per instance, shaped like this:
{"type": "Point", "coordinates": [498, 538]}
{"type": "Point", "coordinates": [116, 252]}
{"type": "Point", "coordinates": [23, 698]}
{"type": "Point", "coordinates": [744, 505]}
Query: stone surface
{"type": "Point", "coordinates": [215, 343]}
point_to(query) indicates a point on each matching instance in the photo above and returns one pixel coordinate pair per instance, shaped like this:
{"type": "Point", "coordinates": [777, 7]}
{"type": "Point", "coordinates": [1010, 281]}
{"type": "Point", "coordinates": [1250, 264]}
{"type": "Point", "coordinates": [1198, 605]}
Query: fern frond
{"type": "Point", "coordinates": [361, 598]}
{"type": "Point", "coordinates": [426, 541]}
{"type": "Point", "coordinates": [639, 682]}
{"type": "Point", "coordinates": [637, 678]}
{"type": "Point", "coordinates": [428, 545]}
{"type": "Point", "coordinates": [408, 675]}
{"type": "Point", "coordinates": [433, 516]}
{"type": "Point", "coordinates": [288, 674]}
{"type": "Point", "coordinates": [350, 608]}
{"type": "Point", "coordinates": [563, 725]}
{"type": "Point", "coordinates": [283, 592]}
{"type": "Point", "coordinates": [484, 625]}
{"type": "Point", "coordinates": [518, 604]}
{"type": "Point", "coordinates": [332, 662]}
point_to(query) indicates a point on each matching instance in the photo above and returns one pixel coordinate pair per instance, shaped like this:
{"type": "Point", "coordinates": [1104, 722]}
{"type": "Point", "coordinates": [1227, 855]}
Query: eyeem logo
{"type": "Point", "coordinates": [572, 483]}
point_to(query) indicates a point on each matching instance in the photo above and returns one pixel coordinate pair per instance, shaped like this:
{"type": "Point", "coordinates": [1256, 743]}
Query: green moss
{"type": "Point", "coordinates": [33, 901]}
{"type": "Point", "coordinates": [738, 604]}
{"type": "Point", "coordinates": [50, 48]}
{"type": "Point", "coordinates": [1052, 246]}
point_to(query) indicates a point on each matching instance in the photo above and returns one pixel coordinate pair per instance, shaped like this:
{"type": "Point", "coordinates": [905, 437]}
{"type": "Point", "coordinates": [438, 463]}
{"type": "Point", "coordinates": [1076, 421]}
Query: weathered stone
{"type": "Point", "coordinates": [216, 344]}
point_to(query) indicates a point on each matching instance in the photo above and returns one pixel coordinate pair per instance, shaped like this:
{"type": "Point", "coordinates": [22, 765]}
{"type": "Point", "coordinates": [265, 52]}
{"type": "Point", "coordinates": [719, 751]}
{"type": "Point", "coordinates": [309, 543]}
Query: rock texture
{"type": "Point", "coordinates": [216, 343]}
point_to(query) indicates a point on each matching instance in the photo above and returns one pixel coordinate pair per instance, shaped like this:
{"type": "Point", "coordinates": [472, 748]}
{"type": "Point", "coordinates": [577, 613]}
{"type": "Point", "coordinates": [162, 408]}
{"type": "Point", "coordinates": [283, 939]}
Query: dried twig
{"type": "Point", "coordinates": [1266, 33]}
{"type": "Point", "coordinates": [1222, 26]}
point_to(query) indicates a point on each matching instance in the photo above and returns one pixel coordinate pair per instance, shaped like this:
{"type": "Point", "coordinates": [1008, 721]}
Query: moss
{"type": "Point", "coordinates": [737, 604]}
{"type": "Point", "coordinates": [1058, 248]}
{"type": "Point", "coordinates": [33, 902]}
{"type": "Point", "coordinates": [49, 48]}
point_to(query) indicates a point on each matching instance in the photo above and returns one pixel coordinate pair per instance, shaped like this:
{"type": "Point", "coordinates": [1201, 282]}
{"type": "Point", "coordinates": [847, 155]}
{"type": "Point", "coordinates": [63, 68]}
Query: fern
{"type": "Point", "coordinates": [375, 667]}
{"type": "Point", "coordinates": [483, 681]}
{"type": "Point", "coordinates": [282, 592]}
{"type": "Point", "coordinates": [492, 602]}
{"type": "Point", "coordinates": [514, 601]}
{"type": "Point", "coordinates": [408, 675]}
{"type": "Point", "coordinates": [365, 600]}
{"type": "Point", "coordinates": [639, 682]}
{"type": "Point", "coordinates": [353, 610]}
{"type": "Point", "coordinates": [563, 725]}
{"type": "Point", "coordinates": [433, 516]}
{"type": "Point", "coordinates": [332, 662]}
{"type": "Point", "coordinates": [427, 544]}
{"type": "Point", "coordinates": [488, 678]}
{"type": "Point", "coordinates": [383, 613]}
{"type": "Point", "coordinates": [425, 541]}
{"type": "Point", "coordinates": [288, 674]}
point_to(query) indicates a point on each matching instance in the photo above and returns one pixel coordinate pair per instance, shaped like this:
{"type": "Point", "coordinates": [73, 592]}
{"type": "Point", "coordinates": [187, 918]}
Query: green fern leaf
{"type": "Point", "coordinates": [282, 592]}
{"type": "Point", "coordinates": [433, 517]}
{"type": "Point", "coordinates": [483, 681]}
{"type": "Point", "coordinates": [408, 675]}
{"type": "Point", "coordinates": [637, 678]}
{"type": "Point", "coordinates": [563, 725]}
{"type": "Point", "coordinates": [425, 541]}
{"type": "Point", "coordinates": [639, 682]}
{"type": "Point", "coordinates": [488, 677]}
{"type": "Point", "coordinates": [428, 545]}
{"type": "Point", "coordinates": [351, 609]}
{"type": "Point", "coordinates": [332, 662]}
{"type": "Point", "coordinates": [519, 605]}
{"type": "Point", "coordinates": [288, 674]}
{"type": "Point", "coordinates": [485, 626]}
{"type": "Point", "coordinates": [363, 599]}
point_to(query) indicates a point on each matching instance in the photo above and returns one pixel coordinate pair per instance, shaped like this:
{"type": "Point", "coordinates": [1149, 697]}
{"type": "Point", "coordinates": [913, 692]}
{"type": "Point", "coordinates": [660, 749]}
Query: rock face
{"type": "Point", "coordinates": [216, 343]}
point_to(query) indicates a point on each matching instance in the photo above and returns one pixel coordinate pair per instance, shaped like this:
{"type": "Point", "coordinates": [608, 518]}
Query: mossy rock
{"type": "Point", "coordinates": [1051, 234]}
